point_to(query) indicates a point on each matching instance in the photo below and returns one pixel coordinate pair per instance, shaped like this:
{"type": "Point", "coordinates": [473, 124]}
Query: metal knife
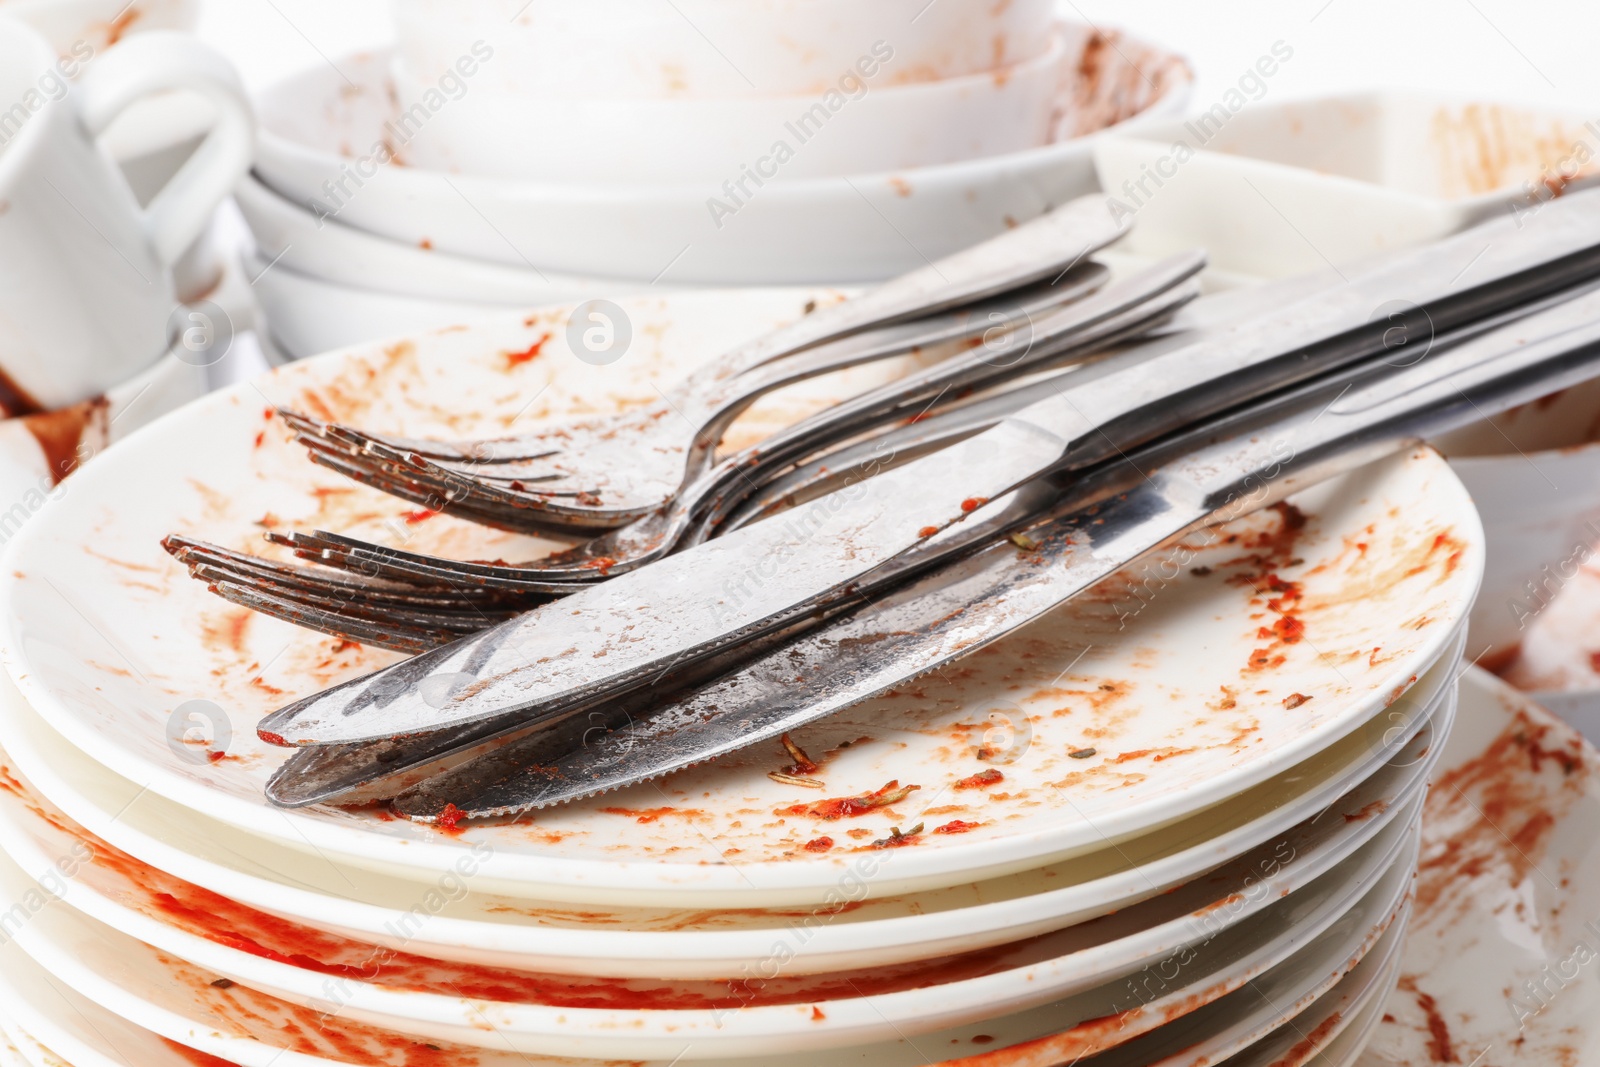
{"type": "Point", "coordinates": [962, 607]}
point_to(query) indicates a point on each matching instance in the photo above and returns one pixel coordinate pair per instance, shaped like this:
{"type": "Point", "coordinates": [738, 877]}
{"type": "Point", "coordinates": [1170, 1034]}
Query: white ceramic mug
{"type": "Point", "coordinates": [86, 291]}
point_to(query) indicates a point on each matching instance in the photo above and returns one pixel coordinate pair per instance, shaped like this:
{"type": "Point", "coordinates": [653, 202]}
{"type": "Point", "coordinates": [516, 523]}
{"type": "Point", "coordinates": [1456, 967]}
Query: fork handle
{"type": "Point", "coordinates": [713, 406]}
{"type": "Point", "coordinates": [1040, 249]}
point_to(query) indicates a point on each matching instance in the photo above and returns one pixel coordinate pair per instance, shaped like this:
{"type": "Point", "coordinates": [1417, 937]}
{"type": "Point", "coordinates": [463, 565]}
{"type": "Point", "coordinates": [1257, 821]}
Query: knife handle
{"type": "Point", "coordinates": [1474, 274]}
{"type": "Point", "coordinates": [1461, 384]}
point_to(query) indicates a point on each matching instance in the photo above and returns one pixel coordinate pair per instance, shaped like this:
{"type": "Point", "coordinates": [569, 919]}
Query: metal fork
{"type": "Point", "coordinates": [388, 588]}
{"type": "Point", "coordinates": [616, 469]}
{"type": "Point", "coordinates": [575, 491]}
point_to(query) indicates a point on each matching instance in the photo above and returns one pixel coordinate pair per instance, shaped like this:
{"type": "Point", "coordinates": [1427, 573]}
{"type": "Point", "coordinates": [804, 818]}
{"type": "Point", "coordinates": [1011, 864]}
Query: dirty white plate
{"type": "Point", "coordinates": [410, 994]}
{"type": "Point", "coordinates": [1334, 1030]}
{"type": "Point", "coordinates": [206, 1011]}
{"type": "Point", "coordinates": [1358, 775]}
{"type": "Point", "coordinates": [1186, 698]}
{"type": "Point", "coordinates": [1500, 958]}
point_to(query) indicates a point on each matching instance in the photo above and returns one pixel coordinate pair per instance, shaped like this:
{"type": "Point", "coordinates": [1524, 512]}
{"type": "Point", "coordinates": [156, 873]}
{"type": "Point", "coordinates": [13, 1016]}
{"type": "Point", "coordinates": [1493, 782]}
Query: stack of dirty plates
{"type": "Point", "coordinates": [1175, 821]}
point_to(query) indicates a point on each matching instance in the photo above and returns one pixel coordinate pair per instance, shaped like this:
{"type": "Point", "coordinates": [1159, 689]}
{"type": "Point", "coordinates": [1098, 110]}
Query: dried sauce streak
{"type": "Point", "coordinates": [1440, 1044]}
{"type": "Point", "coordinates": [1491, 818]}
{"type": "Point", "coordinates": [527, 355]}
{"type": "Point", "coordinates": [222, 921]}
{"type": "Point", "coordinates": [63, 435]}
{"type": "Point", "coordinates": [982, 780]}
{"type": "Point", "coordinates": [849, 807]}
{"type": "Point", "coordinates": [821, 844]}
{"type": "Point", "coordinates": [195, 1056]}
{"type": "Point", "coordinates": [956, 826]}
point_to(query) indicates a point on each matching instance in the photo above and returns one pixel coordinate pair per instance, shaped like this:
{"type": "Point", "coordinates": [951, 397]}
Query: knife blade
{"type": "Point", "coordinates": [766, 577]}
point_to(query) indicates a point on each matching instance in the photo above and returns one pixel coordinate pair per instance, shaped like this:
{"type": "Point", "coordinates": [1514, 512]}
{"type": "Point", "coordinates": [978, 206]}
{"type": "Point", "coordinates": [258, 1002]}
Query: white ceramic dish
{"type": "Point", "coordinates": [1333, 1031]}
{"type": "Point", "coordinates": [414, 995]}
{"type": "Point", "coordinates": [1282, 188]}
{"type": "Point", "coordinates": [1416, 581]}
{"type": "Point", "coordinates": [642, 49]}
{"type": "Point", "coordinates": [11, 1054]}
{"type": "Point", "coordinates": [291, 237]}
{"type": "Point", "coordinates": [324, 143]}
{"type": "Point", "coordinates": [471, 927]}
{"type": "Point", "coordinates": [1503, 945]}
{"type": "Point", "coordinates": [1534, 473]}
{"type": "Point", "coordinates": [200, 1009]}
{"type": "Point", "coordinates": [877, 126]}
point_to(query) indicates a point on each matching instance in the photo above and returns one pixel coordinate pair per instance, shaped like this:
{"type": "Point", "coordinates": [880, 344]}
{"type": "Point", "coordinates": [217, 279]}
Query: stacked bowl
{"type": "Point", "coordinates": [487, 165]}
{"type": "Point", "coordinates": [1175, 821]}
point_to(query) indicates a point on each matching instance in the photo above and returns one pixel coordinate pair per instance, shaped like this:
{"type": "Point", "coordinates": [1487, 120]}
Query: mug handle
{"type": "Point", "coordinates": [160, 61]}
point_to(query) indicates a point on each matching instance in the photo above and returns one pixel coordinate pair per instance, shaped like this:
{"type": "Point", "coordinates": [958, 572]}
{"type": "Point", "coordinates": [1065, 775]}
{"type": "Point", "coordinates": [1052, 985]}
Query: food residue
{"type": "Point", "coordinates": [847, 807]}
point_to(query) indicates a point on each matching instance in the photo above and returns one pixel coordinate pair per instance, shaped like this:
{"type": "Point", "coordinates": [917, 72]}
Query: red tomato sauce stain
{"type": "Point", "coordinates": [650, 815]}
{"type": "Point", "coordinates": [956, 826]}
{"type": "Point", "coordinates": [821, 844]}
{"type": "Point", "coordinates": [414, 517]}
{"type": "Point", "coordinates": [849, 807]}
{"type": "Point", "coordinates": [1491, 818]}
{"type": "Point", "coordinates": [981, 780]}
{"type": "Point", "coordinates": [973, 503]}
{"type": "Point", "coordinates": [527, 355]}
{"type": "Point", "coordinates": [1440, 1044]}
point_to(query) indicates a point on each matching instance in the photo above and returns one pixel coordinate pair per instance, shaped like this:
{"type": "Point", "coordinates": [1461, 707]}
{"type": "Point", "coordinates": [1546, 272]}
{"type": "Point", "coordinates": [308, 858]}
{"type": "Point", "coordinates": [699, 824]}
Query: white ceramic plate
{"type": "Point", "coordinates": [1270, 1003]}
{"type": "Point", "coordinates": [316, 129]}
{"type": "Point", "coordinates": [1505, 897]}
{"type": "Point", "coordinates": [414, 995]}
{"type": "Point", "coordinates": [17, 1049]}
{"type": "Point", "coordinates": [866, 930]}
{"type": "Point", "coordinates": [107, 638]}
{"type": "Point", "coordinates": [12, 1043]}
{"type": "Point", "coordinates": [1334, 1030]}
{"type": "Point", "coordinates": [205, 1011]}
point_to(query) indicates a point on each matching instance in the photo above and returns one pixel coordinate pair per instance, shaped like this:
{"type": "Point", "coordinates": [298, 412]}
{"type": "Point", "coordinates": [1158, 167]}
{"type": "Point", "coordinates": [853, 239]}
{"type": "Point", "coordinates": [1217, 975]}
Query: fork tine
{"type": "Point", "coordinates": [557, 579]}
{"type": "Point", "coordinates": [508, 448]}
{"type": "Point", "coordinates": [333, 589]}
{"type": "Point", "coordinates": [460, 620]}
{"type": "Point", "coordinates": [399, 638]}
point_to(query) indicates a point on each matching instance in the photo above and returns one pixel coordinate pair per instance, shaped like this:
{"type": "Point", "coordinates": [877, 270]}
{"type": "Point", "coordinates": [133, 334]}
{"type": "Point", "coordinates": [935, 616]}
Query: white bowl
{"type": "Point", "coordinates": [307, 315]}
{"type": "Point", "coordinates": [1281, 189]}
{"type": "Point", "coordinates": [641, 49]}
{"type": "Point", "coordinates": [1534, 473]}
{"type": "Point", "coordinates": [72, 25]}
{"type": "Point", "coordinates": [859, 125]}
{"type": "Point", "coordinates": [330, 251]}
{"type": "Point", "coordinates": [324, 142]}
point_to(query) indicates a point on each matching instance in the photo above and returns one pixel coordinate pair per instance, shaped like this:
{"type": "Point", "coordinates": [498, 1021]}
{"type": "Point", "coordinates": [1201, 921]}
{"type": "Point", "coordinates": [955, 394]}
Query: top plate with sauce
{"type": "Point", "coordinates": [1138, 704]}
